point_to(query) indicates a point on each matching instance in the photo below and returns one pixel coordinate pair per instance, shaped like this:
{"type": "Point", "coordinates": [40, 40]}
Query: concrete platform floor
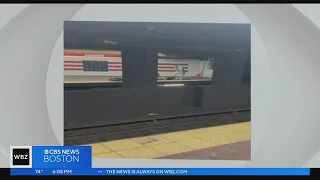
{"type": "Point", "coordinates": [228, 142]}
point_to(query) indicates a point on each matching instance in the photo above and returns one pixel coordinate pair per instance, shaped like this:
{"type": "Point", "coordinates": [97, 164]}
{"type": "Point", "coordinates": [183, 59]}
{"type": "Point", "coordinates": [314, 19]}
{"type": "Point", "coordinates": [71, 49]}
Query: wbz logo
{"type": "Point", "coordinates": [21, 156]}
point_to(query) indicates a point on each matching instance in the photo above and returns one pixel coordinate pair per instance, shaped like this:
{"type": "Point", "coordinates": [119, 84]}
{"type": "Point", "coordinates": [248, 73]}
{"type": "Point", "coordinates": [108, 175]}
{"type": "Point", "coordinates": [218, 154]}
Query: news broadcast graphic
{"type": "Point", "coordinates": [20, 156]}
{"type": "Point", "coordinates": [51, 156]}
{"type": "Point", "coordinates": [166, 171]}
{"type": "Point", "coordinates": [284, 56]}
{"type": "Point", "coordinates": [77, 160]}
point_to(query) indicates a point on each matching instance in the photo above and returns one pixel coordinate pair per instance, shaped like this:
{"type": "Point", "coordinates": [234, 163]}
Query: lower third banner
{"type": "Point", "coordinates": [61, 156]}
{"type": "Point", "coordinates": [77, 160]}
{"type": "Point", "coordinates": [167, 171]}
{"type": "Point", "coordinates": [51, 157]}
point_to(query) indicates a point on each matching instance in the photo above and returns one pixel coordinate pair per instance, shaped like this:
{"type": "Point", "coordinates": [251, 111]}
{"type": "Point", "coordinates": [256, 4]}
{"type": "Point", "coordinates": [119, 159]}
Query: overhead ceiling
{"type": "Point", "coordinates": [184, 39]}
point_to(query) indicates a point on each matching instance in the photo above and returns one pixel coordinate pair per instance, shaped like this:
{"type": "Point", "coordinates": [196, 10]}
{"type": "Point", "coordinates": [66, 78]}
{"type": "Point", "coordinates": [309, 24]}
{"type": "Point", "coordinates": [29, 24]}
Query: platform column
{"type": "Point", "coordinates": [139, 66]}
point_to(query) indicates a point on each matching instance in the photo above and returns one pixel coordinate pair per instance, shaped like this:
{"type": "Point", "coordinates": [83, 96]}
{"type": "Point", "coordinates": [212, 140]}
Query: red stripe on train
{"type": "Point", "coordinates": [73, 69]}
{"type": "Point", "coordinates": [108, 55]}
{"type": "Point", "coordinates": [73, 61]}
{"type": "Point", "coordinates": [114, 55]}
{"type": "Point", "coordinates": [162, 65]}
{"type": "Point", "coordinates": [114, 66]}
{"type": "Point", "coordinates": [119, 66]}
{"type": "Point", "coordinates": [93, 55]}
{"type": "Point", "coordinates": [171, 64]}
{"type": "Point", "coordinates": [159, 70]}
{"type": "Point", "coordinates": [73, 65]}
{"type": "Point", "coordinates": [114, 62]}
{"type": "Point", "coordinates": [81, 69]}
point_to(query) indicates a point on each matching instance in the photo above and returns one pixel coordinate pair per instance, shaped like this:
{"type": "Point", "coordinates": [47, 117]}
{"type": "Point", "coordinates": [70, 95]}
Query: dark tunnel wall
{"type": "Point", "coordinates": [109, 106]}
{"type": "Point", "coordinates": [230, 84]}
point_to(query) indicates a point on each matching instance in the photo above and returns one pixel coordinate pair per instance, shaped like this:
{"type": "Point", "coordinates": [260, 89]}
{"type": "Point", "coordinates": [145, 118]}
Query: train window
{"type": "Point", "coordinates": [95, 66]}
{"type": "Point", "coordinates": [105, 66]}
{"type": "Point", "coordinates": [177, 69]}
{"type": "Point", "coordinates": [92, 66]}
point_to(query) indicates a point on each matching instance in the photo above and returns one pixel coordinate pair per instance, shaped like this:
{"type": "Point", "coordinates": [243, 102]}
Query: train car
{"type": "Point", "coordinates": [109, 64]}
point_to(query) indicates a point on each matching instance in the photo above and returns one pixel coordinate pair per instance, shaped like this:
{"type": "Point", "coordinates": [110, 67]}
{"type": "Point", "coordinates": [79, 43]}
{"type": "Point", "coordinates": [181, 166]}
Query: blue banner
{"type": "Point", "coordinates": [76, 160]}
{"type": "Point", "coordinates": [62, 157]}
{"type": "Point", "coordinates": [165, 171]}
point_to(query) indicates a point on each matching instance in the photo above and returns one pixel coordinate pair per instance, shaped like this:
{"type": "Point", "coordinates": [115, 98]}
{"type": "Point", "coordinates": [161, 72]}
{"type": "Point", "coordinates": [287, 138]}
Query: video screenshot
{"type": "Point", "coordinates": [159, 90]}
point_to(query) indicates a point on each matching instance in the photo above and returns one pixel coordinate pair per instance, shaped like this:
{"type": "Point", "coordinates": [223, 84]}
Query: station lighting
{"type": "Point", "coordinates": [172, 85]}
{"type": "Point", "coordinates": [150, 28]}
{"type": "Point", "coordinates": [110, 42]}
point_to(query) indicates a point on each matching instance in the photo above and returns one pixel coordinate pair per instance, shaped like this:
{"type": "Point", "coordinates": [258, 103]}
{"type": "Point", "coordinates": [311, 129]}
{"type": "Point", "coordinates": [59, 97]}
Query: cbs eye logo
{"type": "Point", "coordinates": [21, 157]}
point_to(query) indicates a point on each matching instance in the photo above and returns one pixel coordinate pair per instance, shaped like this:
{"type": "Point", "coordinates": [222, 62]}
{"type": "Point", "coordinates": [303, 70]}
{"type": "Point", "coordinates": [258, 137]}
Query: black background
{"type": "Point", "coordinates": [20, 152]}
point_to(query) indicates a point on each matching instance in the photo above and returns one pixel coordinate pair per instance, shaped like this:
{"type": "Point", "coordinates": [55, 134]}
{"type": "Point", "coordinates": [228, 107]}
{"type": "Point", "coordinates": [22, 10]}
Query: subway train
{"type": "Point", "coordinates": [82, 63]}
{"type": "Point", "coordinates": [94, 103]}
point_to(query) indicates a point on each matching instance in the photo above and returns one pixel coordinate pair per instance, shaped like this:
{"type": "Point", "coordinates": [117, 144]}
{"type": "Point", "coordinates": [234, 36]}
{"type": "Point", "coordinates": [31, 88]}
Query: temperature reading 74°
{"type": "Point", "coordinates": [38, 171]}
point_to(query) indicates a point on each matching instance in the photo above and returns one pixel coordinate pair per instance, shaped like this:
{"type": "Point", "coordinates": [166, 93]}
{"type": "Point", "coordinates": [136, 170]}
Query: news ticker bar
{"type": "Point", "coordinates": [162, 172]}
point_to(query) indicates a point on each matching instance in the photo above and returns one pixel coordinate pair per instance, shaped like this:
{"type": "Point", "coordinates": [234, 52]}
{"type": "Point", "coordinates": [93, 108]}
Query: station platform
{"type": "Point", "coordinates": [227, 142]}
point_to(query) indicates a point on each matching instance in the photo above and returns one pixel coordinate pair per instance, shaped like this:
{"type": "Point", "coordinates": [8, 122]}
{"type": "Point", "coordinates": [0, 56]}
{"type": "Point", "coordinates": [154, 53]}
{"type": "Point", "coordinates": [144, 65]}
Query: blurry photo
{"type": "Point", "coordinates": [156, 90]}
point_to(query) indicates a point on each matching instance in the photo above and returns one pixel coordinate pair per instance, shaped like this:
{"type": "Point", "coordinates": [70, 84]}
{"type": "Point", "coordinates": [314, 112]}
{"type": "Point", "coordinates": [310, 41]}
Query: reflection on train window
{"type": "Point", "coordinates": [175, 68]}
{"type": "Point", "coordinates": [92, 66]}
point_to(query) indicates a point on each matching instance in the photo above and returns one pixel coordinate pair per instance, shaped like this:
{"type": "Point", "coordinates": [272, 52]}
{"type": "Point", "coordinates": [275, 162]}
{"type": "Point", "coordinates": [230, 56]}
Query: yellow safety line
{"type": "Point", "coordinates": [169, 143]}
